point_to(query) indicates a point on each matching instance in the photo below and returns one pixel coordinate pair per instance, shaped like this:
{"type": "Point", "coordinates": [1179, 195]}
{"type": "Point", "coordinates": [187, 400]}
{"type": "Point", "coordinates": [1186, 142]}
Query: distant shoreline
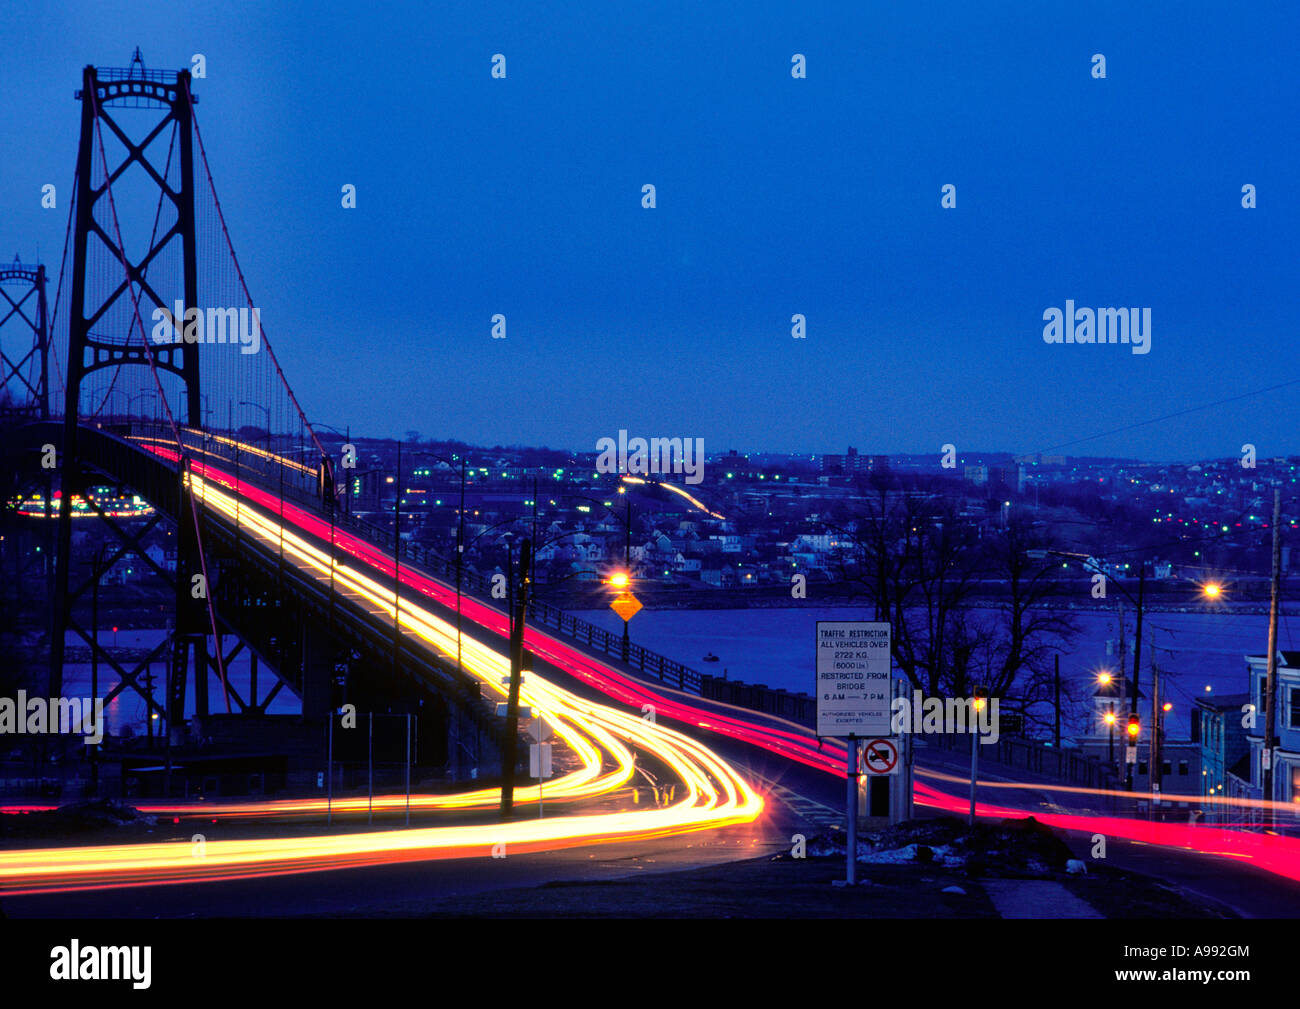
{"type": "Point", "coordinates": [654, 599]}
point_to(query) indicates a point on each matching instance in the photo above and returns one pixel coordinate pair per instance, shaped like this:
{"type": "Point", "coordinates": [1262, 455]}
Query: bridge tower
{"type": "Point", "coordinates": [104, 92]}
{"type": "Point", "coordinates": [25, 394]}
{"type": "Point", "coordinates": [24, 381]}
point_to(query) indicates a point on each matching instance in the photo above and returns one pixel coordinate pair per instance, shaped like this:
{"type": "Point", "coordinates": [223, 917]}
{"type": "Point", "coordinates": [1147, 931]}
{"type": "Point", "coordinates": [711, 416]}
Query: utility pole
{"type": "Point", "coordinates": [1153, 747]}
{"type": "Point", "coordinates": [460, 561]}
{"type": "Point", "coordinates": [397, 559]}
{"type": "Point", "coordinates": [1270, 683]}
{"type": "Point", "coordinates": [627, 566]}
{"type": "Point", "coordinates": [518, 611]}
{"type": "Point", "coordinates": [1137, 643]}
{"type": "Point", "coordinates": [1123, 700]}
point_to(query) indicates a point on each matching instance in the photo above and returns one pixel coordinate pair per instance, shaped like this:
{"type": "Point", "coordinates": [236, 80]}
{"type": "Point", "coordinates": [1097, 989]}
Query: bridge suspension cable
{"type": "Point", "coordinates": [131, 288]}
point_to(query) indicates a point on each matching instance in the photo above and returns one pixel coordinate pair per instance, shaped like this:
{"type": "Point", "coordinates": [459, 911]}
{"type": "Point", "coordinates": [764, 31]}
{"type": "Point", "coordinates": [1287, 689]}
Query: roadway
{"type": "Point", "coordinates": [801, 783]}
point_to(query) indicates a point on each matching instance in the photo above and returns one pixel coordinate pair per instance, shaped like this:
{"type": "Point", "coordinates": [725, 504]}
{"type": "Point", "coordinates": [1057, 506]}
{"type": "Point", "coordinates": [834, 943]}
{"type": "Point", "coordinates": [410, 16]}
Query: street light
{"type": "Point", "coordinates": [621, 580]}
{"type": "Point", "coordinates": [460, 536]}
{"type": "Point", "coordinates": [147, 394]}
{"type": "Point", "coordinates": [460, 543]}
{"type": "Point", "coordinates": [347, 440]}
{"type": "Point", "coordinates": [1137, 646]}
{"type": "Point", "coordinates": [266, 410]}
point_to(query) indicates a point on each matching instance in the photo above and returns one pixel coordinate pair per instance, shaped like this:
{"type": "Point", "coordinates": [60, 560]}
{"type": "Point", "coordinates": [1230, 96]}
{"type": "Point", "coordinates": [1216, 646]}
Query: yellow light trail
{"type": "Point", "coordinates": [714, 794]}
{"type": "Point", "coordinates": [680, 492]}
{"type": "Point", "coordinates": [241, 446]}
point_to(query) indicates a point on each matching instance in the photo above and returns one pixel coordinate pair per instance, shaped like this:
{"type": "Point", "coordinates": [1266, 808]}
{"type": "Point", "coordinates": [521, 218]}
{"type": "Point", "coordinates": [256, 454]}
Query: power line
{"type": "Point", "coordinates": [1170, 416]}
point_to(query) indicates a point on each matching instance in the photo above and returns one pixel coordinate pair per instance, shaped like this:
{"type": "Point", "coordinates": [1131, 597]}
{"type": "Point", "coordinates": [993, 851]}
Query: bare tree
{"type": "Point", "coordinates": [922, 566]}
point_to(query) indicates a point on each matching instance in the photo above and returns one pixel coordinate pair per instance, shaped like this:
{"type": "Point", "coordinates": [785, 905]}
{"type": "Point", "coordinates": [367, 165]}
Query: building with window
{"type": "Point", "coordinates": [1218, 725]}
{"type": "Point", "coordinates": [1286, 727]}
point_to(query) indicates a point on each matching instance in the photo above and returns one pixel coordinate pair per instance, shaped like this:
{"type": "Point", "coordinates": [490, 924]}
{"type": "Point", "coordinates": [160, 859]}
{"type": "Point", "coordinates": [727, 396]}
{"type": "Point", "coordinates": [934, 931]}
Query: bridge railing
{"type": "Point", "coordinates": [584, 632]}
{"type": "Point", "coordinates": [301, 484]}
{"type": "Point", "coordinates": [1036, 756]}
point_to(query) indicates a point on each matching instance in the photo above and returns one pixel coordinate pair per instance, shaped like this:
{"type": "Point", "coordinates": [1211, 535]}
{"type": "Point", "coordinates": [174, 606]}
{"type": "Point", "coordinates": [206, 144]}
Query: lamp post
{"type": "Point", "coordinates": [347, 440]}
{"type": "Point", "coordinates": [518, 612]}
{"type": "Point", "coordinates": [623, 581]}
{"type": "Point", "coordinates": [1137, 647]}
{"type": "Point", "coordinates": [266, 410]}
{"type": "Point", "coordinates": [397, 558]}
{"type": "Point", "coordinates": [147, 394]}
{"type": "Point", "coordinates": [460, 546]}
{"type": "Point", "coordinates": [460, 531]}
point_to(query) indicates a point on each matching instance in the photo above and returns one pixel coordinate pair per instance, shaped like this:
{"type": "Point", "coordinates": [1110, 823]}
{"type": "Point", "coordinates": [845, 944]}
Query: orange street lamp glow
{"type": "Point", "coordinates": [618, 579]}
{"type": "Point", "coordinates": [1109, 718]}
{"type": "Point", "coordinates": [1212, 590]}
{"type": "Point", "coordinates": [1104, 679]}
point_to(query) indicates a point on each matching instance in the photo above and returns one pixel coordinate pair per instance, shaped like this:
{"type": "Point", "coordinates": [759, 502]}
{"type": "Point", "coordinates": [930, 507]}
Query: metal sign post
{"type": "Point", "coordinates": [851, 849]}
{"type": "Point", "coordinates": [853, 701]}
{"type": "Point", "coordinates": [539, 767]}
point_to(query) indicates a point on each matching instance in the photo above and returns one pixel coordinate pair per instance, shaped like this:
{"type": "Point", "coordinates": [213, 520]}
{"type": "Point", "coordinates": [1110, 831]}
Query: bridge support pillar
{"type": "Point", "coordinates": [318, 651]}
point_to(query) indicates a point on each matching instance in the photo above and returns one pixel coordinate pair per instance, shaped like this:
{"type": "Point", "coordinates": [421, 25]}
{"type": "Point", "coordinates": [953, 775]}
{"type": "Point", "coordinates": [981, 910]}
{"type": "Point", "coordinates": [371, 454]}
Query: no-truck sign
{"type": "Point", "coordinates": [880, 756]}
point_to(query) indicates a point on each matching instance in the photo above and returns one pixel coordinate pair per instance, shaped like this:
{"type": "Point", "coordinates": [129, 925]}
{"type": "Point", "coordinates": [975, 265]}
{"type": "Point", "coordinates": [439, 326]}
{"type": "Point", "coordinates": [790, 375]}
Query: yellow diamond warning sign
{"type": "Point", "coordinates": [626, 606]}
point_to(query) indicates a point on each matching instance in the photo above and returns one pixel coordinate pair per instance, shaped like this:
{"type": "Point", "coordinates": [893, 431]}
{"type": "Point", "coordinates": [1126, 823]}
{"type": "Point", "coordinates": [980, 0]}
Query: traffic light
{"type": "Point", "coordinates": [1134, 727]}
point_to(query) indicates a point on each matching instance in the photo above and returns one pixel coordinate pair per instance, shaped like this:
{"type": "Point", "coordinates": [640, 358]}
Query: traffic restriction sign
{"type": "Point", "coordinates": [880, 756]}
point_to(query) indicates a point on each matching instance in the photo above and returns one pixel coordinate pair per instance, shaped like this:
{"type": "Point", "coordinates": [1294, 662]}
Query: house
{"type": "Point", "coordinates": [723, 577]}
{"type": "Point", "coordinates": [1286, 728]}
{"type": "Point", "coordinates": [1218, 724]}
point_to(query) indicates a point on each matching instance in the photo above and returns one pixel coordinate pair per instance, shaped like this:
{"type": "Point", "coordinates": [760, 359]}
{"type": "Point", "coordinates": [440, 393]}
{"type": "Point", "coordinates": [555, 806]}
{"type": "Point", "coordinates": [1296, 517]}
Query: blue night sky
{"type": "Point", "coordinates": [775, 196]}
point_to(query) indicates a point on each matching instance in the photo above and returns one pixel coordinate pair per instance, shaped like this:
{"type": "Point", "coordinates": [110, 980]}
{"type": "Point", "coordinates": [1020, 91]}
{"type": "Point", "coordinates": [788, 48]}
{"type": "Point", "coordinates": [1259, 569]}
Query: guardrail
{"type": "Point", "coordinates": [1032, 755]}
{"type": "Point", "coordinates": [304, 488]}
